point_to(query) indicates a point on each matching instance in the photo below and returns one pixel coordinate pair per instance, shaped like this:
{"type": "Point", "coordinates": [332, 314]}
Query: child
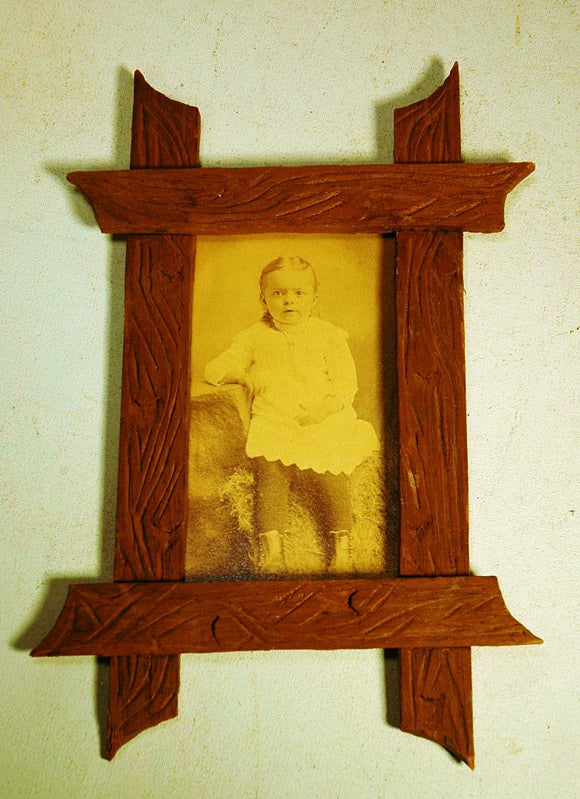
{"type": "Point", "coordinates": [302, 380]}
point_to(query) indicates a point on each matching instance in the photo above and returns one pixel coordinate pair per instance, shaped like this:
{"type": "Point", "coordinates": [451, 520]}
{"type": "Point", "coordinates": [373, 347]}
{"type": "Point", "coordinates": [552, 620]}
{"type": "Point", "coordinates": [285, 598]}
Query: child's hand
{"type": "Point", "coordinates": [246, 381]}
{"type": "Point", "coordinates": [243, 378]}
{"type": "Point", "coordinates": [318, 413]}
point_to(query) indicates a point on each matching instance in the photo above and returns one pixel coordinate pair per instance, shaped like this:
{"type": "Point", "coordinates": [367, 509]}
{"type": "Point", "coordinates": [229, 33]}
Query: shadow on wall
{"type": "Point", "coordinates": [431, 78]}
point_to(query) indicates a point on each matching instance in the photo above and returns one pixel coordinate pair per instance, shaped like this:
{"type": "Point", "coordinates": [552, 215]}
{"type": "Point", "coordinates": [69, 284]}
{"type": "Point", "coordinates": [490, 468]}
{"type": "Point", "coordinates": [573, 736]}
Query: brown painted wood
{"type": "Point", "coordinates": [152, 488]}
{"type": "Point", "coordinates": [432, 412]}
{"type": "Point", "coordinates": [321, 199]}
{"type": "Point", "coordinates": [429, 131]}
{"type": "Point", "coordinates": [171, 618]}
{"type": "Point", "coordinates": [436, 698]}
{"type": "Point", "coordinates": [152, 498]}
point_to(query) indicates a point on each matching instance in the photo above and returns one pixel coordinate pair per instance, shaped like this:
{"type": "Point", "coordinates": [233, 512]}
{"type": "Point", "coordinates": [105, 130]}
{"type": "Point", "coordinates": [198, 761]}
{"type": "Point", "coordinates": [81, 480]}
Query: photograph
{"type": "Point", "coordinates": [293, 435]}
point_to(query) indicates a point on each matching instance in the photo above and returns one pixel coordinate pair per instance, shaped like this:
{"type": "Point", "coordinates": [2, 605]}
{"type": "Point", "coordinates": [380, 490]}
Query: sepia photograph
{"type": "Point", "coordinates": [293, 443]}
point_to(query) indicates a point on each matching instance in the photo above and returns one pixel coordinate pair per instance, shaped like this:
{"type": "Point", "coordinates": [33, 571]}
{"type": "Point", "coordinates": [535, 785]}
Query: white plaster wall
{"type": "Point", "coordinates": [286, 82]}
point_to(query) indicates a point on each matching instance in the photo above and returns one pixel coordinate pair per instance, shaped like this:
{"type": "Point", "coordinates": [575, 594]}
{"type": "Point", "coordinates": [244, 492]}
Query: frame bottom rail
{"type": "Point", "coordinates": [170, 618]}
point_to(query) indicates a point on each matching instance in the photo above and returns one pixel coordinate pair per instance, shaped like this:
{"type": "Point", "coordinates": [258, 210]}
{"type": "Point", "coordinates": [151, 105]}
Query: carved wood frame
{"type": "Point", "coordinates": [435, 611]}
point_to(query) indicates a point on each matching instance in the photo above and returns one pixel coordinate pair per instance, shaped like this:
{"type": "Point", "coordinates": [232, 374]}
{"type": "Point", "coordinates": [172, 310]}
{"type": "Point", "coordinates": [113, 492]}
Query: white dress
{"type": "Point", "coordinates": [292, 370]}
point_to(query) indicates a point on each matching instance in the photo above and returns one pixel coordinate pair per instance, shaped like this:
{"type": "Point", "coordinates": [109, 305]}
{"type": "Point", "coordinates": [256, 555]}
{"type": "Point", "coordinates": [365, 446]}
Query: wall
{"type": "Point", "coordinates": [281, 82]}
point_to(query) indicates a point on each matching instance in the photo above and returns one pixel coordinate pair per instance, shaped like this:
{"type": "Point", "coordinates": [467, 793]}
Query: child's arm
{"type": "Point", "coordinates": [342, 374]}
{"type": "Point", "coordinates": [232, 365]}
{"type": "Point", "coordinates": [317, 413]}
{"type": "Point", "coordinates": [342, 370]}
{"type": "Point", "coordinates": [230, 376]}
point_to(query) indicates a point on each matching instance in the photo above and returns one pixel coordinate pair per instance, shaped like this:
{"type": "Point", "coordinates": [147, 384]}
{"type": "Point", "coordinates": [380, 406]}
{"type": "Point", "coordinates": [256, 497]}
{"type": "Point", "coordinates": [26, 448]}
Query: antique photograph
{"type": "Point", "coordinates": [292, 461]}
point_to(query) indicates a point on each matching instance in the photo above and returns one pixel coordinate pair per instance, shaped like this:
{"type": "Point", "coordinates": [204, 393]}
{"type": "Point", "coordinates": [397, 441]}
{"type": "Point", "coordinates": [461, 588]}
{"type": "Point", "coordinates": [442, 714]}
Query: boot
{"type": "Point", "coordinates": [341, 560]}
{"type": "Point", "coordinates": [271, 553]}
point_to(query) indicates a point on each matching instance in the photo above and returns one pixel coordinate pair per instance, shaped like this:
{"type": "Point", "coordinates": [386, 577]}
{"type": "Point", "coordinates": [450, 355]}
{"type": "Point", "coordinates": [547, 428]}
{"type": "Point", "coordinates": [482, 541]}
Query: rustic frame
{"type": "Point", "coordinates": [435, 611]}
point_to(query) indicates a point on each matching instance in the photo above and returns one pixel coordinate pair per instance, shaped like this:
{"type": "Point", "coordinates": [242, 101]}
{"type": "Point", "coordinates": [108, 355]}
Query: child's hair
{"type": "Point", "coordinates": [287, 262]}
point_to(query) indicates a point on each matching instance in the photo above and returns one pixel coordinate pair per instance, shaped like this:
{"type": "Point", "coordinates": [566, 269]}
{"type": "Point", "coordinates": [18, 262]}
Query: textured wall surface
{"type": "Point", "coordinates": [286, 83]}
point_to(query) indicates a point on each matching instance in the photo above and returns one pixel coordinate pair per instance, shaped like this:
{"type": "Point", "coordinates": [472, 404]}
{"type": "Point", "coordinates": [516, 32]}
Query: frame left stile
{"type": "Point", "coordinates": [152, 504]}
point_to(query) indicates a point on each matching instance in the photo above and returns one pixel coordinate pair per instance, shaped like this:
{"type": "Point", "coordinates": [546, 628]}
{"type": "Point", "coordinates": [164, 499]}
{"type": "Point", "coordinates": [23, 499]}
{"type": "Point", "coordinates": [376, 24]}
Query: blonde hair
{"type": "Point", "coordinates": [285, 262]}
{"type": "Point", "coordinates": [288, 262]}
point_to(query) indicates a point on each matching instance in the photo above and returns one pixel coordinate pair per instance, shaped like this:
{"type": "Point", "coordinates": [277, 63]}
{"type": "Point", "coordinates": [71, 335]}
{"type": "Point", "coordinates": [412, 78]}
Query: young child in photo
{"type": "Point", "coordinates": [302, 380]}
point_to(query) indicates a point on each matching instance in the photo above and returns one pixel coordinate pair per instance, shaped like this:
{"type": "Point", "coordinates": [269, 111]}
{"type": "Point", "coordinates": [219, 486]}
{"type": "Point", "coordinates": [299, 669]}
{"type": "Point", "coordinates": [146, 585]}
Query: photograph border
{"type": "Point", "coordinates": [152, 510]}
{"type": "Point", "coordinates": [354, 278]}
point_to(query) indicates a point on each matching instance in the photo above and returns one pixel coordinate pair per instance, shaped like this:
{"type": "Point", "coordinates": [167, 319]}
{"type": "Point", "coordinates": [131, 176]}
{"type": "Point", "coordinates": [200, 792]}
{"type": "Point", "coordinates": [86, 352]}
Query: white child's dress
{"type": "Point", "coordinates": [292, 370]}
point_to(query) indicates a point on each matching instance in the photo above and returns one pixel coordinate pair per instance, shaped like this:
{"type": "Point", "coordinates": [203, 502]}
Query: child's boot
{"type": "Point", "coordinates": [271, 553]}
{"type": "Point", "coordinates": [341, 559]}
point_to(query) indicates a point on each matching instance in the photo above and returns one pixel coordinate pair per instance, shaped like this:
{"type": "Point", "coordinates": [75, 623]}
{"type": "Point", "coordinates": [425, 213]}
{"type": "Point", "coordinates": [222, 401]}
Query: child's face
{"type": "Point", "coordinates": [289, 295]}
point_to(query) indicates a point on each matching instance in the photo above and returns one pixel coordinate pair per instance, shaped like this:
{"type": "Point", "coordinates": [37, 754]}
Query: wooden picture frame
{"type": "Point", "coordinates": [434, 611]}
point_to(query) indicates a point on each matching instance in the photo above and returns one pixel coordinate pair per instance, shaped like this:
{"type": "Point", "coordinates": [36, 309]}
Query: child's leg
{"type": "Point", "coordinates": [272, 492]}
{"type": "Point", "coordinates": [335, 500]}
{"type": "Point", "coordinates": [337, 519]}
{"type": "Point", "coordinates": [271, 512]}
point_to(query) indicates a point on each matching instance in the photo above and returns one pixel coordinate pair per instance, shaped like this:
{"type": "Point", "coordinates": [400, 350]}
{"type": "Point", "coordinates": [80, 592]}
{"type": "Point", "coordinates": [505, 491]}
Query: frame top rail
{"type": "Point", "coordinates": [315, 199]}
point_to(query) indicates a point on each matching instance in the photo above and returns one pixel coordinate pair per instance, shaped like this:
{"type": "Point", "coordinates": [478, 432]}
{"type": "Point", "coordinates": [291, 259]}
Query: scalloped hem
{"type": "Point", "coordinates": [337, 445]}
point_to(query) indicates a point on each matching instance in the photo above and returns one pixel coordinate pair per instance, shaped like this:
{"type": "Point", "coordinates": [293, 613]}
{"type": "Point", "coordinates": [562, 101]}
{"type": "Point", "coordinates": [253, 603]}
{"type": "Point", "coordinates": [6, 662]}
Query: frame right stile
{"type": "Point", "coordinates": [436, 698]}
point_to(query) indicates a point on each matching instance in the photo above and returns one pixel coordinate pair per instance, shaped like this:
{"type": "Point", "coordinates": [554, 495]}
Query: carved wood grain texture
{"type": "Point", "coordinates": [432, 410]}
{"type": "Point", "coordinates": [169, 618]}
{"type": "Point", "coordinates": [152, 489]}
{"type": "Point", "coordinates": [321, 199]}
{"type": "Point", "coordinates": [436, 693]}
{"type": "Point", "coordinates": [429, 131]}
